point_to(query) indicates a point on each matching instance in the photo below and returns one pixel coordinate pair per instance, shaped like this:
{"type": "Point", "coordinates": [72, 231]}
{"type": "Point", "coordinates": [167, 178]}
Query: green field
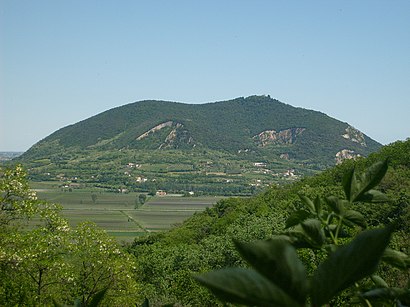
{"type": "Point", "coordinates": [120, 214]}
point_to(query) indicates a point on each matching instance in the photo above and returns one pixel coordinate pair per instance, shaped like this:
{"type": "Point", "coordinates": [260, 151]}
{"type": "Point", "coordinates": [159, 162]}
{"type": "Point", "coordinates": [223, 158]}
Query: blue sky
{"type": "Point", "coordinates": [64, 61]}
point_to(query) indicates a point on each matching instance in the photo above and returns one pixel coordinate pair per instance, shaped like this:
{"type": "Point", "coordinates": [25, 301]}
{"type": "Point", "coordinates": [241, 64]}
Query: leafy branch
{"type": "Point", "coordinates": [278, 277]}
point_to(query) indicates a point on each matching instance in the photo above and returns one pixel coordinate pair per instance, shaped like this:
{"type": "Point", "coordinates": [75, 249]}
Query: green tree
{"type": "Point", "coordinates": [98, 263]}
{"type": "Point", "coordinates": [28, 258]}
{"type": "Point", "coordinates": [152, 191]}
{"type": "Point", "coordinates": [142, 198]}
{"type": "Point", "coordinates": [94, 198]}
{"type": "Point", "coordinates": [279, 277]}
{"type": "Point", "coordinates": [43, 260]}
{"type": "Point", "coordinates": [17, 201]}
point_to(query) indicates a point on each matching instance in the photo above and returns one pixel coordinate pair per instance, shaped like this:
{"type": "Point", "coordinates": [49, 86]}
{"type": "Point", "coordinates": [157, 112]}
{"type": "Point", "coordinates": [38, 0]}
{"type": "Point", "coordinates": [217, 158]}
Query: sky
{"type": "Point", "coordinates": [64, 61]}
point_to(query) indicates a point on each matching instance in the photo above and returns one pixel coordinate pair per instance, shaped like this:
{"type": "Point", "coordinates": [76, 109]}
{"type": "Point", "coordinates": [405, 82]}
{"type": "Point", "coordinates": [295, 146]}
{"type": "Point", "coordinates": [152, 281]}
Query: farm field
{"type": "Point", "coordinates": [120, 214]}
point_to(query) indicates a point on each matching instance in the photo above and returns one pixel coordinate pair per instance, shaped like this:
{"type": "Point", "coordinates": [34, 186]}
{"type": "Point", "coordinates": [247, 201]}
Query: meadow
{"type": "Point", "coordinates": [120, 214]}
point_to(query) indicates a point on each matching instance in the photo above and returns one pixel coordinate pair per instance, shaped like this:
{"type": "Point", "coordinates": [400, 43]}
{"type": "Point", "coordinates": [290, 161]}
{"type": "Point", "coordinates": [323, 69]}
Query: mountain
{"type": "Point", "coordinates": [257, 129]}
{"type": "Point", "coordinates": [254, 123]}
{"type": "Point", "coordinates": [9, 155]}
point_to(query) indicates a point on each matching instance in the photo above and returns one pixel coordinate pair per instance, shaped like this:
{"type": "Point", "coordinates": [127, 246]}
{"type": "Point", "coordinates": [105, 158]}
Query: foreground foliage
{"type": "Point", "coordinates": [43, 260]}
{"type": "Point", "coordinates": [167, 262]}
{"type": "Point", "coordinates": [279, 277]}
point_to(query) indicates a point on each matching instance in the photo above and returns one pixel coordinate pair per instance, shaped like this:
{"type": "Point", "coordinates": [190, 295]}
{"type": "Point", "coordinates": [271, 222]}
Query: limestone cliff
{"type": "Point", "coordinates": [176, 138]}
{"type": "Point", "coordinates": [156, 128]}
{"type": "Point", "coordinates": [345, 154]}
{"type": "Point", "coordinates": [286, 136]}
{"type": "Point", "coordinates": [354, 135]}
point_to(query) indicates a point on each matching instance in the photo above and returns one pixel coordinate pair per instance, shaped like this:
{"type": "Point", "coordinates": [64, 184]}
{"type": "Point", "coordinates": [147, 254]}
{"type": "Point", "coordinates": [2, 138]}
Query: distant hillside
{"type": "Point", "coordinates": [9, 155]}
{"type": "Point", "coordinates": [256, 123]}
{"type": "Point", "coordinates": [233, 147]}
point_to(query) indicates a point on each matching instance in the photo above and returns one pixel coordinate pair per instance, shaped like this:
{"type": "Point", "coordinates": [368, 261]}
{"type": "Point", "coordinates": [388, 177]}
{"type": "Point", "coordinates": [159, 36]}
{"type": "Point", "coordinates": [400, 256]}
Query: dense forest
{"type": "Point", "coordinates": [167, 262]}
{"type": "Point", "coordinates": [235, 147]}
{"type": "Point", "coordinates": [45, 262]}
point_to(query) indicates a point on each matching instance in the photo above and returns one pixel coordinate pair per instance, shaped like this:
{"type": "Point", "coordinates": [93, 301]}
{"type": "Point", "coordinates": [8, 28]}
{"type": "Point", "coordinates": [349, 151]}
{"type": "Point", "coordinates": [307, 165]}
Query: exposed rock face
{"type": "Point", "coordinates": [156, 128]}
{"type": "Point", "coordinates": [284, 156]}
{"type": "Point", "coordinates": [177, 137]}
{"type": "Point", "coordinates": [345, 154]}
{"type": "Point", "coordinates": [287, 136]}
{"type": "Point", "coordinates": [354, 135]}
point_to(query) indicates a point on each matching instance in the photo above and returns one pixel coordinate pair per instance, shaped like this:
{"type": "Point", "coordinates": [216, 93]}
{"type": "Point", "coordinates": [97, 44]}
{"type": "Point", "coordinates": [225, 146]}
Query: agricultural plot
{"type": "Point", "coordinates": [113, 220]}
{"type": "Point", "coordinates": [161, 213]}
{"type": "Point", "coordinates": [180, 203]}
{"type": "Point", "coordinates": [160, 220]}
{"type": "Point", "coordinates": [119, 214]}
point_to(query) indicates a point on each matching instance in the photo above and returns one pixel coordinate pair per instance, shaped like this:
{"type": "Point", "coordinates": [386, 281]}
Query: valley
{"type": "Point", "coordinates": [122, 215]}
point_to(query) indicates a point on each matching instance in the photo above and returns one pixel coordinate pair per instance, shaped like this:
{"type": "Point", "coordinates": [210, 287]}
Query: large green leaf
{"type": "Point", "coordinates": [297, 217]}
{"type": "Point", "coordinates": [379, 282]}
{"type": "Point", "coordinates": [337, 205]}
{"type": "Point", "coordinates": [355, 218]}
{"type": "Point", "coordinates": [374, 174]}
{"type": "Point", "coordinates": [313, 230]}
{"type": "Point", "coordinates": [349, 264]}
{"type": "Point", "coordinates": [308, 203]}
{"type": "Point", "coordinates": [278, 261]}
{"type": "Point", "coordinates": [318, 205]}
{"type": "Point", "coordinates": [373, 196]}
{"type": "Point", "coordinates": [384, 294]}
{"type": "Point", "coordinates": [297, 238]}
{"type": "Point", "coordinates": [243, 286]}
{"type": "Point", "coordinates": [368, 180]}
{"type": "Point", "coordinates": [396, 258]}
{"type": "Point", "coordinates": [347, 183]}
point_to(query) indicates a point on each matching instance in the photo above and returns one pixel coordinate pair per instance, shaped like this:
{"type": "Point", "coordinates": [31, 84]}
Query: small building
{"type": "Point", "coordinates": [289, 173]}
{"type": "Point", "coordinates": [140, 179]}
{"type": "Point", "coordinates": [161, 193]}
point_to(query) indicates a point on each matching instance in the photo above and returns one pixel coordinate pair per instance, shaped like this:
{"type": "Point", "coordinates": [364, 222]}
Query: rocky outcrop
{"type": "Point", "coordinates": [345, 154]}
{"type": "Point", "coordinates": [287, 136]}
{"type": "Point", "coordinates": [284, 156]}
{"type": "Point", "coordinates": [176, 138]}
{"type": "Point", "coordinates": [156, 128]}
{"type": "Point", "coordinates": [354, 135]}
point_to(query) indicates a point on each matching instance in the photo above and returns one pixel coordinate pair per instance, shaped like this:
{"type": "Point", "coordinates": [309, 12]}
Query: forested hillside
{"type": "Point", "coordinates": [167, 262]}
{"type": "Point", "coordinates": [229, 126]}
{"type": "Point", "coordinates": [234, 147]}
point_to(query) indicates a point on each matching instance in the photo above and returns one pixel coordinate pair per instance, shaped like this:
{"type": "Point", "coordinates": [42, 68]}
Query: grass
{"type": "Point", "coordinates": [117, 213]}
